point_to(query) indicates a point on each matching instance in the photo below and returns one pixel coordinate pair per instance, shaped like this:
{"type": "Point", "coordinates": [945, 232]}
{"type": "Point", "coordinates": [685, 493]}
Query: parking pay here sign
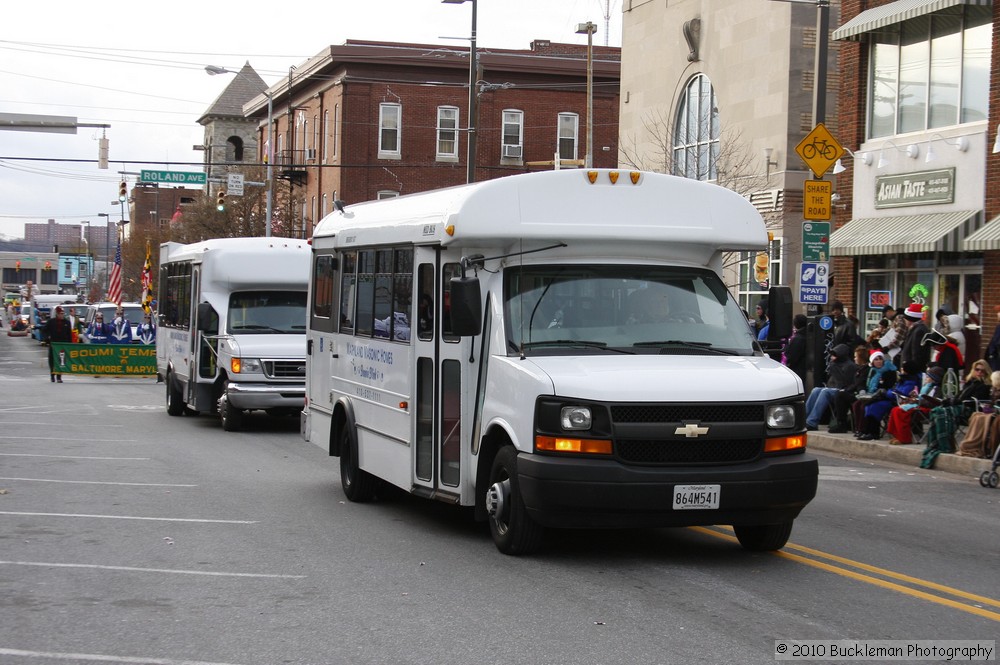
{"type": "Point", "coordinates": [813, 283]}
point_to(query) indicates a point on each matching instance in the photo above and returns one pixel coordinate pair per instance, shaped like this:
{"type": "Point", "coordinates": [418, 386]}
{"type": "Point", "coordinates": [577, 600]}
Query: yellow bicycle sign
{"type": "Point", "coordinates": [819, 150]}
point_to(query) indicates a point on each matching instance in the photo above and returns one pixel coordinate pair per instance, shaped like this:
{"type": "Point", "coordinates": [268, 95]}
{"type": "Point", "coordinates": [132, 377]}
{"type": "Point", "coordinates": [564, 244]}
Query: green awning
{"type": "Point", "coordinates": [906, 234]}
{"type": "Point", "coordinates": [985, 238]}
{"type": "Point", "coordinates": [896, 12]}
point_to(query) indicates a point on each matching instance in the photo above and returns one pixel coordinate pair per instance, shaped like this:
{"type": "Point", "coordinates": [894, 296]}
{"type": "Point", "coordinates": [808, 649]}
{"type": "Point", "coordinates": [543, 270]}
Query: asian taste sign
{"type": "Point", "coordinates": [920, 188]}
{"type": "Point", "coordinates": [172, 177]}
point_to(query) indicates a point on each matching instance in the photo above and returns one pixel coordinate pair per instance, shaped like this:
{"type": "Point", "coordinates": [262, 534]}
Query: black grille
{"type": "Point", "coordinates": [285, 369]}
{"type": "Point", "coordinates": [681, 413]}
{"type": "Point", "coordinates": [647, 451]}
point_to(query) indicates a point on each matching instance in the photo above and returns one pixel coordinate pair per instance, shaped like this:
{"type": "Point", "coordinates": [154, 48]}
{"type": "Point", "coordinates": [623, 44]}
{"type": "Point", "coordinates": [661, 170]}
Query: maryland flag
{"type": "Point", "coordinates": [147, 283]}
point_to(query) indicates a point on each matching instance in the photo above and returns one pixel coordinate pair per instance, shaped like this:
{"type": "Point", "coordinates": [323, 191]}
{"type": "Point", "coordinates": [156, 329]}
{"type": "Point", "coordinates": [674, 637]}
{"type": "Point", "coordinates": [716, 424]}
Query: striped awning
{"type": "Point", "coordinates": [896, 12]}
{"type": "Point", "coordinates": [985, 238]}
{"type": "Point", "coordinates": [936, 232]}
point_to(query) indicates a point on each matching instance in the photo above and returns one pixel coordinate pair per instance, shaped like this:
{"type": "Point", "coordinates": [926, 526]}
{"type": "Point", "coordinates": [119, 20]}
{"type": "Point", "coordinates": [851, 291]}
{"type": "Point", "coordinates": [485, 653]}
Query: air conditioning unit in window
{"type": "Point", "coordinates": [512, 151]}
{"type": "Point", "coordinates": [310, 154]}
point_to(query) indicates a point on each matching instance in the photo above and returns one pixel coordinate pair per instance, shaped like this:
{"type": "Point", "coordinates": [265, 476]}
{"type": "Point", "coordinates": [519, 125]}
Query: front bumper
{"type": "Point", "coordinates": [596, 493]}
{"type": "Point", "coordinates": [247, 396]}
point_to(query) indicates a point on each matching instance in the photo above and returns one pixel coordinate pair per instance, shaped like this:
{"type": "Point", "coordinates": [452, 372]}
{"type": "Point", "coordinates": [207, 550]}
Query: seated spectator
{"type": "Point", "coordinates": [885, 399]}
{"type": "Point", "coordinates": [945, 419]}
{"type": "Point", "coordinates": [981, 432]}
{"type": "Point", "coordinates": [840, 375]}
{"type": "Point", "coordinates": [900, 425]}
{"type": "Point", "coordinates": [846, 396]}
{"type": "Point", "coordinates": [881, 377]}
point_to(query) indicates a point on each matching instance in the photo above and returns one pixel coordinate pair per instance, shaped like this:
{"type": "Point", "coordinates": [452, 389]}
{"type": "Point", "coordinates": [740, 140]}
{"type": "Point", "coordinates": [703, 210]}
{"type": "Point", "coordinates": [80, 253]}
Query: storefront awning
{"type": "Point", "coordinates": [896, 12]}
{"type": "Point", "coordinates": [985, 238]}
{"type": "Point", "coordinates": [936, 232]}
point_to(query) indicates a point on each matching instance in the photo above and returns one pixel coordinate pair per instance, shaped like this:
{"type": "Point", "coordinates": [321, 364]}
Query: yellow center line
{"type": "Point", "coordinates": [885, 584]}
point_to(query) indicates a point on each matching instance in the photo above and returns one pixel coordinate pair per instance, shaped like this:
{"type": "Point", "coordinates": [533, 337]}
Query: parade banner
{"type": "Point", "coordinates": [105, 359]}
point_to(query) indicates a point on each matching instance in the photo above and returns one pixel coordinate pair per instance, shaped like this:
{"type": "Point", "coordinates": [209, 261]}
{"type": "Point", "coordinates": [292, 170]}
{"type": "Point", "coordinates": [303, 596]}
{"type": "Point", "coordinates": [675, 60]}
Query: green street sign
{"type": "Point", "coordinates": [815, 241]}
{"type": "Point", "coordinates": [172, 177]}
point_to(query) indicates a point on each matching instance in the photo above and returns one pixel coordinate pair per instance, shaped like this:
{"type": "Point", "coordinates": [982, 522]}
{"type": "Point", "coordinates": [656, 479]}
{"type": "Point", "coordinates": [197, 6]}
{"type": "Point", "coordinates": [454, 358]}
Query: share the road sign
{"type": "Point", "coordinates": [172, 177]}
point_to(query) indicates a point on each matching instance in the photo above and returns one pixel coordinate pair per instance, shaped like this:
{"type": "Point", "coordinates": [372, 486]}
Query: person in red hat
{"type": "Point", "coordinates": [56, 329]}
{"type": "Point", "coordinates": [913, 349]}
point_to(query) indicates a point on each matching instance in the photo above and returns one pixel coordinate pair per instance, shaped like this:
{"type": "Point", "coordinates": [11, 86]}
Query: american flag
{"type": "Point", "coordinates": [115, 282]}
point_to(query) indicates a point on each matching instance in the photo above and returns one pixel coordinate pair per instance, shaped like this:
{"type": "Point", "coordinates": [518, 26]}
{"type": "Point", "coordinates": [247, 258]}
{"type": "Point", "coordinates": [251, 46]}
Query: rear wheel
{"type": "Point", "coordinates": [763, 537]}
{"type": "Point", "coordinates": [232, 418]}
{"type": "Point", "coordinates": [359, 486]}
{"type": "Point", "coordinates": [513, 530]}
{"type": "Point", "coordinates": [175, 400]}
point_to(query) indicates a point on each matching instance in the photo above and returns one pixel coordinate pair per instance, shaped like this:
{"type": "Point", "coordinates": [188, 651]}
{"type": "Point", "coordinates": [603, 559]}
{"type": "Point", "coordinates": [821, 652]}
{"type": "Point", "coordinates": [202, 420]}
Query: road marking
{"type": "Point", "coordinates": [141, 459]}
{"type": "Point", "coordinates": [131, 517]}
{"type": "Point", "coordinates": [101, 658]}
{"type": "Point", "coordinates": [62, 439]}
{"type": "Point", "coordinates": [869, 579]}
{"type": "Point", "coordinates": [96, 482]}
{"type": "Point", "coordinates": [131, 569]}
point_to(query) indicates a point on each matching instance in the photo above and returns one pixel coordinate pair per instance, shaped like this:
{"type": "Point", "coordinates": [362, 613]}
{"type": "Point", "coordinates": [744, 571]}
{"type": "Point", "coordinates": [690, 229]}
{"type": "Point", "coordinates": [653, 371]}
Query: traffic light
{"type": "Point", "coordinates": [17, 265]}
{"type": "Point", "coordinates": [220, 202]}
{"type": "Point", "coordinates": [123, 191]}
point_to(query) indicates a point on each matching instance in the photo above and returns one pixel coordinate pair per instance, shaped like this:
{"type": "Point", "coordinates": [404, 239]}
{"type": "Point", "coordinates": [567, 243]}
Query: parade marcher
{"type": "Point", "coordinates": [98, 332]}
{"type": "Point", "coordinates": [121, 329]}
{"type": "Point", "coordinates": [56, 329]}
{"type": "Point", "coordinates": [145, 332]}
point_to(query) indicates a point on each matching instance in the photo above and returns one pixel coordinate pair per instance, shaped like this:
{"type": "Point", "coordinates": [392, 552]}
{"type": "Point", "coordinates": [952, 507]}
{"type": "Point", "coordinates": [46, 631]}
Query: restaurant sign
{"type": "Point", "coordinates": [912, 189]}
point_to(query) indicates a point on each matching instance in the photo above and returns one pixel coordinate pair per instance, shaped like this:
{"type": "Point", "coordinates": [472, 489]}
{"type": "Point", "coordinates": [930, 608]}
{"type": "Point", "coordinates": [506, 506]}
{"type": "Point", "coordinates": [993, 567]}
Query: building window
{"type": "Point", "coordinates": [336, 128]}
{"type": "Point", "coordinates": [326, 134]}
{"type": "Point", "coordinates": [569, 127]}
{"type": "Point", "coordinates": [696, 131]}
{"type": "Point", "coordinates": [234, 149]}
{"type": "Point", "coordinates": [389, 116]}
{"type": "Point", "coordinates": [447, 133]}
{"type": "Point", "coordinates": [513, 134]}
{"type": "Point", "coordinates": [385, 194]}
{"type": "Point", "coordinates": [933, 72]}
{"type": "Point", "coordinates": [757, 275]}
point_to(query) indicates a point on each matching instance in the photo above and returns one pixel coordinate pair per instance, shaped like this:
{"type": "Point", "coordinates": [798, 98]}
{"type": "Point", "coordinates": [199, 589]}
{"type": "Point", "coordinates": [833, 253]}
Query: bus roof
{"type": "Point", "coordinates": [600, 205]}
{"type": "Point", "coordinates": [242, 263]}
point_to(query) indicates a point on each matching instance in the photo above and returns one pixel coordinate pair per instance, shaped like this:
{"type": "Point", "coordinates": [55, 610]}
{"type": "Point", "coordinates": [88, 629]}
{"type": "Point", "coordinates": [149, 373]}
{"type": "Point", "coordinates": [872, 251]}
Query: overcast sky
{"type": "Point", "coordinates": [139, 67]}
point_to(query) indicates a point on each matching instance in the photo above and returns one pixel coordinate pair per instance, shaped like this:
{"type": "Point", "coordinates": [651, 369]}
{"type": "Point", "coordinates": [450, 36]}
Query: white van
{"type": "Point", "coordinates": [231, 326]}
{"type": "Point", "coordinates": [558, 350]}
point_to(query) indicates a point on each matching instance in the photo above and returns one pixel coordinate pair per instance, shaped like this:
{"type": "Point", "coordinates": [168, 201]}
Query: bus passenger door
{"type": "Point", "coordinates": [438, 385]}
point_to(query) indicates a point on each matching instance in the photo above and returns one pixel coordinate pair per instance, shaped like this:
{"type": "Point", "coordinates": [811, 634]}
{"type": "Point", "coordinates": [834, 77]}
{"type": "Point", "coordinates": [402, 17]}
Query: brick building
{"type": "Point", "coordinates": [920, 114]}
{"type": "Point", "coordinates": [368, 120]}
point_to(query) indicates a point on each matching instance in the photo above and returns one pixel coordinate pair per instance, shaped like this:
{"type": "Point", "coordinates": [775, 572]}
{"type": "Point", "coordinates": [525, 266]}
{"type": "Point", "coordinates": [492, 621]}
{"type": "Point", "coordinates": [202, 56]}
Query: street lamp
{"type": "Point", "coordinates": [588, 29]}
{"type": "Point", "coordinates": [90, 267]}
{"type": "Point", "coordinates": [269, 196]}
{"type": "Point", "coordinates": [470, 173]}
{"type": "Point", "coordinates": [106, 246]}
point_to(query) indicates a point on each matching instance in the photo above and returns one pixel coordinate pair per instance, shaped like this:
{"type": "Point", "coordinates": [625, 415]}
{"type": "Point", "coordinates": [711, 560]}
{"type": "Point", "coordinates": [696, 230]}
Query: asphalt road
{"type": "Point", "coordinates": [129, 536]}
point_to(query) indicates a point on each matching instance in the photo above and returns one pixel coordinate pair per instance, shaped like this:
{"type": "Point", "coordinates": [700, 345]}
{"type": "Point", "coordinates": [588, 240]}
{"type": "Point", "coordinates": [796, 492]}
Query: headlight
{"type": "Point", "coordinates": [781, 416]}
{"type": "Point", "coordinates": [245, 365]}
{"type": "Point", "coordinates": [575, 418]}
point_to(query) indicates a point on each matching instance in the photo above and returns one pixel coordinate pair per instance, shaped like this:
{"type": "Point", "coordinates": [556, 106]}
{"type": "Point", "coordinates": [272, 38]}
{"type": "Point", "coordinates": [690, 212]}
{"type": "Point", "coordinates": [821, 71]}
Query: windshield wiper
{"type": "Point", "coordinates": [707, 346]}
{"type": "Point", "coordinates": [569, 342]}
{"type": "Point", "coordinates": [254, 326]}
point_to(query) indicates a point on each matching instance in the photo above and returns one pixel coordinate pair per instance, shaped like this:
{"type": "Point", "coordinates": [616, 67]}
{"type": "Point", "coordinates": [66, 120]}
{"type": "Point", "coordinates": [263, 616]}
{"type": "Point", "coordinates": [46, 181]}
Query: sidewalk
{"type": "Point", "coordinates": [909, 455]}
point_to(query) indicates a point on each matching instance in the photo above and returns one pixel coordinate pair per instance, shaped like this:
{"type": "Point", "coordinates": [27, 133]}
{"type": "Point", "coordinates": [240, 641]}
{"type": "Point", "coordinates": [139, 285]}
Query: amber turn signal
{"type": "Point", "coordinates": [557, 444]}
{"type": "Point", "coordinates": [785, 443]}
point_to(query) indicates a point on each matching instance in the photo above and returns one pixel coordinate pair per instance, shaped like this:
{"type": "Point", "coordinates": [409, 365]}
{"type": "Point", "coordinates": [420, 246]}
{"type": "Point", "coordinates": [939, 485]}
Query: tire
{"type": "Point", "coordinates": [513, 530]}
{"type": "Point", "coordinates": [994, 479]}
{"type": "Point", "coordinates": [359, 486]}
{"type": "Point", "coordinates": [175, 399]}
{"type": "Point", "coordinates": [231, 417]}
{"type": "Point", "coordinates": [763, 537]}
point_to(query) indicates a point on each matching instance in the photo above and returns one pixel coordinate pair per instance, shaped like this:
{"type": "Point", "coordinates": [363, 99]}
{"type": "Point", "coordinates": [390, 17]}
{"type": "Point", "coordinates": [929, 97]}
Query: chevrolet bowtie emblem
{"type": "Point", "coordinates": [691, 430]}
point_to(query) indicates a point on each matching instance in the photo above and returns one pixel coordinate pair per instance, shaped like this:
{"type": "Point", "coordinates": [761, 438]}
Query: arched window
{"type": "Point", "coordinates": [234, 149]}
{"type": "Point", "coordinates": [696, 131]}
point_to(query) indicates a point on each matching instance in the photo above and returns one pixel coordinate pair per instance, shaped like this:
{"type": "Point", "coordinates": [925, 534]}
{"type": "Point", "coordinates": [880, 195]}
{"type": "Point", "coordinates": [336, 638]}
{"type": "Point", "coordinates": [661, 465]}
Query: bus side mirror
{"type": "Point", "coordinates": [779, 308]}
{"type": "Point", "coordinates": [466, 307]}
{"type": "Point", "coordinates": [205, 314]}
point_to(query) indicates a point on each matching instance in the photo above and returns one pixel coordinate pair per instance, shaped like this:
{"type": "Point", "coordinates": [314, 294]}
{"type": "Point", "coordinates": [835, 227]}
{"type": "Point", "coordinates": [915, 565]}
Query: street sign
{"type": "Point", "coordinates": [819, 150]}
{"type": "Point", "coordinates": [172, 177]}
{"type": "Point", "coordinates": [234, 184]}
{"type": "Point", "coordinates": [815, 241]}
{"type": "Point", "coordinates": [813, 283]}
{"type": "Point", "coordinates": [817, 199]}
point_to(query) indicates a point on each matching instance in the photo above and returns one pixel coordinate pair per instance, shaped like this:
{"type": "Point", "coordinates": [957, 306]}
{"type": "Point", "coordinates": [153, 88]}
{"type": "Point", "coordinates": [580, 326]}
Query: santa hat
{"type": "Point", "coordinates": [875, 354]}
{"type": "Point", "coordinates": [915, 311]}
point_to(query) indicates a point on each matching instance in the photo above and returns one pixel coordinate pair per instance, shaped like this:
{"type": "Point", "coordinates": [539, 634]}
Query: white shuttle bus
{"type": "Point", "coordinates": [557, 350]}
{"type": "Point", "coordinates": [231, 326]}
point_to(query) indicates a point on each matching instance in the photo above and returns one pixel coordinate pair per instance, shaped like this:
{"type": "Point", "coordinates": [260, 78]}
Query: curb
{"type": "Point", "coordinates": [908, 454]}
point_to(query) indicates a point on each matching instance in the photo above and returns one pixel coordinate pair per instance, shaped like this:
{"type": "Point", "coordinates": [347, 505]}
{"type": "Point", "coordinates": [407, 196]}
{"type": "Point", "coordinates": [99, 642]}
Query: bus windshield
{"type": "Point", "coordinates": [577, 309]}
{"type": "Point", "coordinates": [267, 312]}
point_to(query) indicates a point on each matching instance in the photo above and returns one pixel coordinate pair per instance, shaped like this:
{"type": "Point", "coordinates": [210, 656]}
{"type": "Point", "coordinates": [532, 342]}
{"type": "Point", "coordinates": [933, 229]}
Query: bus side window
{"type": "Point", "coordinates": [402, 295]}
{"type": "Point", "coordinates": [425, 301]}
{"type": "Point", "coordinates": [348, 291]}
{"type": "Point", "coordinates": [450, 270]}
{"type": "Point", "coordinates": [323, 276]}
{"type": "Point", "coordinates": [365, 317]}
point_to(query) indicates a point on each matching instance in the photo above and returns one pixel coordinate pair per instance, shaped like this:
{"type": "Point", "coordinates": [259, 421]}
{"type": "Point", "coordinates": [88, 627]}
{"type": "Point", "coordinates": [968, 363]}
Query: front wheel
{"type": "Point", "coordinates": [359, 486]}
{"type": "Point", "coordinates": [763, 537]}
{"type": "Point", "coordinates": [513, 530]}
{"type": "Point", "coordinates": [175, 400]}
{"type": "Point", "coordinates": [232, 418]}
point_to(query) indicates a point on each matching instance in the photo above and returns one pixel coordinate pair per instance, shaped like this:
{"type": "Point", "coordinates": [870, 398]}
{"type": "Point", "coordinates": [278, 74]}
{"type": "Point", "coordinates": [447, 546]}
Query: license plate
{"type": "Point", "coordinates": [696, 497]}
